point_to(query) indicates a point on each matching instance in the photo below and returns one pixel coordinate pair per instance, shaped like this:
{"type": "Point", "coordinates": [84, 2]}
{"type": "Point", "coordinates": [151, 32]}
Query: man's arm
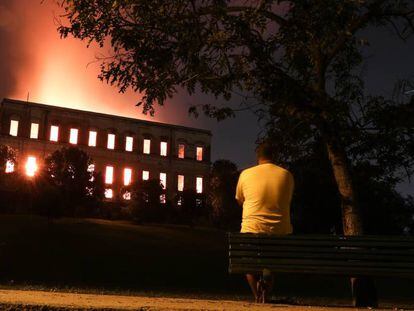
{"type": "Point", "coordinates": [239, 191]}
{"type": "Point", "coordinates": [291, 187]}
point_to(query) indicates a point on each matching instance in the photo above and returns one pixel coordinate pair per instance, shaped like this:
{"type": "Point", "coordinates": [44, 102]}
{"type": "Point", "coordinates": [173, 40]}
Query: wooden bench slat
{"type": "Point", "coordinates": [337, 243]}
{"type": "Point", "coordinates": [309, 237]}
{"type": "Point", "coordinates": [297, 267]}
{"type": "Point", "coordinates": [237, 268]}
{"type": "Point", "coordinates": [322, 262]}
{"type": "Point", "coordinates": [339, 256]}
{"type": "Point", "coordinates": [320, 250]}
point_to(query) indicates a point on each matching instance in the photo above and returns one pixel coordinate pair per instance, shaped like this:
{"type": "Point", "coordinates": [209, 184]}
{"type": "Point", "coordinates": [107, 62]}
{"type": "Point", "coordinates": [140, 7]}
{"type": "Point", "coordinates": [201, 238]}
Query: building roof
{"type": "Point", "coordinates": [103, 115]}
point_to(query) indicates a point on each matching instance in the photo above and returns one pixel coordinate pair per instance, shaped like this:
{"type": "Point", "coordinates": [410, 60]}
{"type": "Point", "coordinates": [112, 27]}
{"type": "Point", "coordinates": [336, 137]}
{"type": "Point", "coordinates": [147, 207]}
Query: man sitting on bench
{"type": "Point", "coordinates": [265, 192]}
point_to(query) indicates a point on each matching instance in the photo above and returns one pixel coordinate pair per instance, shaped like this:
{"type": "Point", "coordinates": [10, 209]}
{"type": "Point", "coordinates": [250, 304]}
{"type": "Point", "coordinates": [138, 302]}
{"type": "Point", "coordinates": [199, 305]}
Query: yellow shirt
{"type": "Point", "coordinates": [265, 191]}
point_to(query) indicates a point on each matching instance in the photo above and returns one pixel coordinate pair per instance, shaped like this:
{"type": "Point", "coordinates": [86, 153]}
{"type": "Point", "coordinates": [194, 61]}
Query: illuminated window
{"type": "Point", "coordinates": [163, 198]}
{"type": "Point", "coordinates": [163, 149]}
{"type": "Point", "coordinates": [111, 141]}
{"type": "Point", "coordinates": [14, 127]}
{"type": "Point", "coordinates": [73, 136]}
{"type": "Point", "coordinates": [147, 146]}
{"type": "Point", "coordinates": [180, 201]}
{"type": "Point", "coordinates": [199, 153]}
{"type": "Point", "coordinates": [92, 138]}
{"type": "Point", "coordinates": [109, 194]}
{"type": "Point", "coordinates": [109, 175]}
{"type": "Point", "coordinates": [127, 195]}
{"type": "Point", "coordinates": [181, 151]}
{"type": "Point", "coordinates": [163, 180]}
{"type": "Point", "coordinates": [127, 176]}
{"type": "Point", "coordinates": [54, 133]}
{"type": "Point", "coordinates": [34, 131]}
{"type": "Point", "coordinates": [199, 184]}
{"type": "Point", "coordinates": [91, 169]}
{"type": "Point", "coordinates": [129, 143]}
{"type": "Point", "coordinates": [9, 167]}
{"type": "Point", "coordinates": [31, 166]}
{"type": "Point", "coordinates": [180, 183]}
{"type": "Point", "coordinates": [145, 175]}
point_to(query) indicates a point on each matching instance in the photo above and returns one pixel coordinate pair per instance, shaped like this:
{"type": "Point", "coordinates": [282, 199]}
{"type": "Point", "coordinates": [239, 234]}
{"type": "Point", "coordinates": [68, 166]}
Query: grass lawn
{"type": "Point", "coordinates": [118, 256]}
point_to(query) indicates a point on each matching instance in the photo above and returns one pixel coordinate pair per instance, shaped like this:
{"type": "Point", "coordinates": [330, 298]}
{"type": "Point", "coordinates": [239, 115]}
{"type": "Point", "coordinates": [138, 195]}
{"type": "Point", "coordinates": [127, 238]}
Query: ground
{"type": "Point", "coordinates": [37, 300]}
{"type": "Point", "coordinates": [155, 261]}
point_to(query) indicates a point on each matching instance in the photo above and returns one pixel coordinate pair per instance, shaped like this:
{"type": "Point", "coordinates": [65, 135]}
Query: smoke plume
{"type": "Point", "coordinates": [36, 63]}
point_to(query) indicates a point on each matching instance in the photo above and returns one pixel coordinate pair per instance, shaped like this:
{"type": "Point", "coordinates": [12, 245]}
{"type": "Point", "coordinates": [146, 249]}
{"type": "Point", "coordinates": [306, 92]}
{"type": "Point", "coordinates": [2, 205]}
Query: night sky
{"type": "Point", "coordinates": [35, 61]}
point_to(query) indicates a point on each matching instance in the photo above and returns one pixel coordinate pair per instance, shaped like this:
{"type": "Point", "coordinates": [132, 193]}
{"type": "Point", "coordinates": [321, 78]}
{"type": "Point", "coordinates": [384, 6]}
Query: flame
{"type": "Point", "coordinates": [31, 166]}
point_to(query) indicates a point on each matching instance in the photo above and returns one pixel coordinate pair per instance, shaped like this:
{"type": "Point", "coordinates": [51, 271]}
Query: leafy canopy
{"type": "Point", "coordinates": [295, 62]}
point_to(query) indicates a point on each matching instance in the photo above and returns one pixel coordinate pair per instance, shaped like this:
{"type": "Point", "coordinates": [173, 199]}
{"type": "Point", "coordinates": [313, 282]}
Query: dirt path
{"type": "Point", "coordinates": [93, 301]}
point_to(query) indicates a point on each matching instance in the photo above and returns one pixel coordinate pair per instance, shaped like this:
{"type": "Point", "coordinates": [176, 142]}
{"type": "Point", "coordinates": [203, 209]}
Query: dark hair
{"type": "Point", "coordinates": [264, 151]}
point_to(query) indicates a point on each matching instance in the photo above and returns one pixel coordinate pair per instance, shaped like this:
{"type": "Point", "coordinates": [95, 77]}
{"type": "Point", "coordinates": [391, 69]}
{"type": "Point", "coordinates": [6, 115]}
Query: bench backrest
{"type": "Point", "coordinates": [340, 255]}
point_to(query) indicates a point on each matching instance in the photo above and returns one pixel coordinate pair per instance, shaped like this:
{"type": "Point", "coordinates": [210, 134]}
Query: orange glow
{"type": "Point", "coordinates": [127, 195]}
{"type": "Point", "coordinates": [163, 149]}
{"type": "Point", "coordinates": [31, 166]}
{"type": "Point", "coordinates": [180, 183]}
{"type": "Point", "coordinates": [147, 146]}
{"type": "Point", "coordinates": [73, 137]}
{"type": "Point", "coordinates": [127, 176]}
{"type": "Point", "coordinates": [91, 169]}
{"type": "Point", "coordinates": [63, 72]}
{"type": "Point", "coordinates": [199, 156]}
{"type": "Point", "coordinates": [199, 184]}
{"type": "Point", "coordinates": [9, 167]}
{"type": "Point", "coordinates": [14, 127]}
{"type": "Point", "coordinates": [163, 199]}
{"type": "Point", "coordinates": [181, 151]}
{"type": "Point", "coordinates": [109, 175]}
{"type": "Point", "coordinates": [34, 131]}
{"type": "Point", "coordinates": [129, 143]}
{"type": "Point", "coordinates": [163, 180]}
{"type": "Point", "coordinates": [111, 141]}
{"type": "Point", "coordinates": [109, 193]}
{"type": "Point", "coordinates": [92, 138]}
{"type": "Point", "coordinates": [54, 133]}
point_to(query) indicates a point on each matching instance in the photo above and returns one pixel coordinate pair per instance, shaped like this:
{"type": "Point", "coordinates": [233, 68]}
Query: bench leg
{"type": "Point", "coordinates": [364, 293]}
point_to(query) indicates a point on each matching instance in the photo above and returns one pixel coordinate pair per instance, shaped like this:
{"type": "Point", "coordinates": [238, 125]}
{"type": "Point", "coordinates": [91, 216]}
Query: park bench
{"type": "Point", "coordinates": [354, 256]}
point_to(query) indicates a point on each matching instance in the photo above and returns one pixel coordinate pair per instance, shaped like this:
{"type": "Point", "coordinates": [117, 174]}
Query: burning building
{"type": "Point", "coordinates": [123, 149]}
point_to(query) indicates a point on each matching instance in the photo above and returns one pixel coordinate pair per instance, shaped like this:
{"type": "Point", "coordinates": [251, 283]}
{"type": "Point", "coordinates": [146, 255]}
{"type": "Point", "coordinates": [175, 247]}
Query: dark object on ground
{"type": "Point", "coordinates": [360, 257]}
{"type": "Point", "coordinates": [364, 292]}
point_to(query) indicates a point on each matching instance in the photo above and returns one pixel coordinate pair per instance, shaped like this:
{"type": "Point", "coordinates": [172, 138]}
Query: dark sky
{"type": "Point", "coordinates": [59, 72]}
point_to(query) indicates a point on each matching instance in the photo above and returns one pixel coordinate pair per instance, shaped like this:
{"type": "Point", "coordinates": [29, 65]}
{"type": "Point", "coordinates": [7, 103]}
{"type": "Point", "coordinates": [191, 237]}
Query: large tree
{"type": "Point", "coordinates": [145, 200]}
{"type": "Point", "coordinates": [316, 205]}
{"type": "Point", "coordinates": [68, 175]}
{"type": "Point", "coordinates": [296, 58]}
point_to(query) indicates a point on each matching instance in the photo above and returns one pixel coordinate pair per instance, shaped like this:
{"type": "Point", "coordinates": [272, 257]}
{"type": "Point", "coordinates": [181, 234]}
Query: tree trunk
{"type": "Point", "coordinates": [363, 288]}
{"type": "Point", "coordinates": [351, 216]}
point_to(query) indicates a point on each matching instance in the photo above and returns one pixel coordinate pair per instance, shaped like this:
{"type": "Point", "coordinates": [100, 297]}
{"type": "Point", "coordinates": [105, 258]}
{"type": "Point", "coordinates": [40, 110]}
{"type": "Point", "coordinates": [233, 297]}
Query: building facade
{"type": "Point", "coordinates": [123, 149]}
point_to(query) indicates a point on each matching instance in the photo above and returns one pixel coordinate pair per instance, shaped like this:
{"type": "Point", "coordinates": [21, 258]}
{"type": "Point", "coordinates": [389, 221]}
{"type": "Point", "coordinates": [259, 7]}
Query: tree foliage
{"type": "Point", "coordinates": [225, 211]}
{"type": "Point", "coordinates": [67, 171]}
{"type": "Point", "coordinates": [9, 182]}
{"type": "Point", "coordinates": [145, 200]}
{"type": "Point", "coordinates": [315, 205]}
{"type": "Point", "coordinates": [7, 155]}
{"type": "Point", "coordinates": [294, 61]}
